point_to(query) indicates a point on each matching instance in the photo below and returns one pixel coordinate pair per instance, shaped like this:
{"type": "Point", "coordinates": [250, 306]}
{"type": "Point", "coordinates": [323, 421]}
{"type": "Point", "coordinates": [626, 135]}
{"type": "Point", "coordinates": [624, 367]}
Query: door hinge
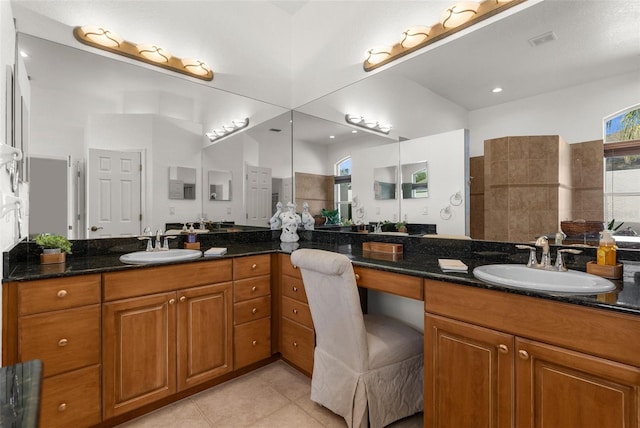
{"type": "Point", "coordinates": [140, 167]}
{"type": "Point", "coordinates": [140, 217]}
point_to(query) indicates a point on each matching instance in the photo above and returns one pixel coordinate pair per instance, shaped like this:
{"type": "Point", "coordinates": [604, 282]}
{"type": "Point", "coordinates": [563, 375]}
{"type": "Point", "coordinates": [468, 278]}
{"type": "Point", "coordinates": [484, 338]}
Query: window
{"type": "Point", "coordinates": [342, 189]}
{"type": "Point", "coordinates": [419, 181]}
{"type": "Point", "coordinates": [622, 168]}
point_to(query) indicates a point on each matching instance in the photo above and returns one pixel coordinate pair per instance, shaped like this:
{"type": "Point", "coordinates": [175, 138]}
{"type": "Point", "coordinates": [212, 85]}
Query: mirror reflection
{"type": "Point", "coordinates": [384, 182]}
{"type": "Point", "coordinates": [182, 183]}
{"type": "Point", "coordinates": [219, 185]}
{"type": "Point", "coordinates": [414, 180]}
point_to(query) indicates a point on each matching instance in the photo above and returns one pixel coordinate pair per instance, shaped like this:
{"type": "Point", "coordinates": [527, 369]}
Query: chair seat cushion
{"type": "Point", "coordinates": [391, 341]}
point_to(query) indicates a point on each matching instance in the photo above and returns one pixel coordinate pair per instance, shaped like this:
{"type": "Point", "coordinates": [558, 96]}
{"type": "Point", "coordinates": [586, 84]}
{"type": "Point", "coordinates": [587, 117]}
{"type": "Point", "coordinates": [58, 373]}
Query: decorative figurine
{"type": "Point", "coordinates": [275, 221]}
{"type": "Point", "coordinates": [307, 219]}
{"type": "Point", "coordinates": [290, 222]}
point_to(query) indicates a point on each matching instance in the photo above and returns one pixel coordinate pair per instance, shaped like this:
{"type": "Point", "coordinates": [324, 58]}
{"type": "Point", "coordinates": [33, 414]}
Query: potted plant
{"type": "Point", "coordinates": [401, 227]}
{"type": "Point", "coordinates": [54, 248]}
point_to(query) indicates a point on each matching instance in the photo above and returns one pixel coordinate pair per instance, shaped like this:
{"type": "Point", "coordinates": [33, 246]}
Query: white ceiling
{"type": "Point", "coordinates": [261, 46]}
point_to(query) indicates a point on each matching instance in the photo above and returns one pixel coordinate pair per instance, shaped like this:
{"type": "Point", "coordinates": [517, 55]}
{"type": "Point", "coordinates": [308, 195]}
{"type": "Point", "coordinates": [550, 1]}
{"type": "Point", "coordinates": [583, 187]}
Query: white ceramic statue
{"type": "Point", "coordinates": [307, 219]}
{"type": "Point", "coordinates": [290, 221]}
{"type": "Point", "coordinates": [275, 221]}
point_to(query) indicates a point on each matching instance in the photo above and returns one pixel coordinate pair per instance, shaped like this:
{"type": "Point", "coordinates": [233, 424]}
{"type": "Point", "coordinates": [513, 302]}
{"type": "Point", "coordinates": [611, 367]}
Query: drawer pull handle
{"type": "Point", "coordinates": [523, 354]}
{"type": "Point", "coordinates": [254, 310]}
{"type": "Point", "coordinates": [172, 301]}
{"type": "Point", "coordinates": [62, 407]}
{"type": "Point", "coordinates": [253, 266]}
{"type": "Point", "coordinates": [62, 293]}
{"type": "Point", "coordinates": [183, 298]}
{"type": "Point", "coordinates": [254, 288]}
{"type": "Point", "coordinates": [295, 344]}
{"type": "Point", "coordinates": [63, 342]}
{"type": "Point", "coordinates": [357, 277]}
{"type": "Point", "coordinates": [254, 343]}
{"type": "Point", "coordinates": [503, 348]}
{"type": "Point", "coordinates": [295, 311]}
{"type": "Point", "coordinates": [295, 289]}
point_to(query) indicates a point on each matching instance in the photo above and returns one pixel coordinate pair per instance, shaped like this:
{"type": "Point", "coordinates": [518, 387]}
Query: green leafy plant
{"type": "Point", "coordinates": [611, 225]}
{"type": "Point", "coordinates": [333, 217]}
{"type": "Point", "coordinates": [401, 225]}
{"type": "Point", "coordinates": [51, 241]}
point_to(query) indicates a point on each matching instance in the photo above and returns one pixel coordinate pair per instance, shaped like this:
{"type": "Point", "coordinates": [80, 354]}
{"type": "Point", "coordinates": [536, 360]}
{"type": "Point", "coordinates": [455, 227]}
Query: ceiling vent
{"type": "Point", "coordinates": [543, 38]}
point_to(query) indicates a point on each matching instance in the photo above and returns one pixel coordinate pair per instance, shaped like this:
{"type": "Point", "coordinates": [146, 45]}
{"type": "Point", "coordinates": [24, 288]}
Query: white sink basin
{"type": "Point", "coordinates": [173, 255]}
{"type": "Point", "coordinates": [523, 277]}
{"type": "Point", "coordinates": [391, 233]}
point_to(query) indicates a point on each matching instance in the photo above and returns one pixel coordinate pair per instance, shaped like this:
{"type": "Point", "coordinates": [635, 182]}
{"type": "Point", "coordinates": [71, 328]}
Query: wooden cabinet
{"type": "Point", "coordinates": [58, 322]}
{"type": "Point", "coordinates": [297, 338]}
{"type": "Point", "coordinates": [159, 343]}
{"type": "Point", "coordinates": [486, 364]}
{"type": "Point", "coordinates": [252, 309]}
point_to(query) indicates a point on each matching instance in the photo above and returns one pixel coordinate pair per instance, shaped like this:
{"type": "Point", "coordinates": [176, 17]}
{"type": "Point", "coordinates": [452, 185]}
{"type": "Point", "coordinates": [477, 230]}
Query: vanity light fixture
{"type": "Point", "coordinates": [455, 18]}
{"type": "Point", "coordinates": [102, 38]}
{"type": "Point", "coordinates": [372, 125]}
{"type": "Point", "coordinates": [226, 130]}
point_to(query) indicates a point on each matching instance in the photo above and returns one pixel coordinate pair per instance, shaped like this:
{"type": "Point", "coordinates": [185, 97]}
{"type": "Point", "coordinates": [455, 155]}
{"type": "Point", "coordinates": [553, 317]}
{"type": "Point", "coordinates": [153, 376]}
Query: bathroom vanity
{"type": "Point", "coordinates": [118, 340]}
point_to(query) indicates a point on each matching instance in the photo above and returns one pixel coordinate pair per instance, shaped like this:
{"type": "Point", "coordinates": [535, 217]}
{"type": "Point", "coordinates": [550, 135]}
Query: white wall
{"type": "Point", "coordinates": [574, 113]}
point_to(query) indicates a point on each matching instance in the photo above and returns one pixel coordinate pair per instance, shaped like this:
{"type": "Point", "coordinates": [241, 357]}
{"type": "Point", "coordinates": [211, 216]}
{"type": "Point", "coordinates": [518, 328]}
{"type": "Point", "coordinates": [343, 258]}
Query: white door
{"type": "Point", "coordinates": [114, 195]}
{"type": "Point", "coordinates": [258, 191]}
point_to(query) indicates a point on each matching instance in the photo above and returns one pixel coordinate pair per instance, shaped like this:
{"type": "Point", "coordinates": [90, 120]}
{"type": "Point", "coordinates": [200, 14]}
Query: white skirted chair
{"type": "Point", "coordinates": [367, 369]}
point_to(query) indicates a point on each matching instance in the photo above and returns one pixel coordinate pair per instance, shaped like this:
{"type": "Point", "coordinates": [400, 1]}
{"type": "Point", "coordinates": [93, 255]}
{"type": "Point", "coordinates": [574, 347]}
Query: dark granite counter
{"type": "Point", "coordinates": [420, 258]}
{"type": "Point", "coordinates": [20, 394]}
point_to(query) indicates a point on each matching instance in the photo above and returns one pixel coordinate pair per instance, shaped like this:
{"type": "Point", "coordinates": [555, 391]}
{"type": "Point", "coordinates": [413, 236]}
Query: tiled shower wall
{"type": "Point", "coordinates": [587, 171]}
{"type": "Point", "coordinates": [316, 190]}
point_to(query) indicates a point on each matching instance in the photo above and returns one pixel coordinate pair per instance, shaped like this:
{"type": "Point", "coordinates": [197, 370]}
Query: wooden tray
{"type": "Point", "coordinates": [192, 245]}
{"type": "Point", "coordinates": [605, 271]}
{"type": "Point", "coordinates": [382, 247]}
{"type": "Point", "coordinates": [377, 255]}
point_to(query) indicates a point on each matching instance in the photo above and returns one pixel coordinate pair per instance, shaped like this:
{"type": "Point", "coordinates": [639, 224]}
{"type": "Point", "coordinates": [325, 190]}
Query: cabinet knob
{"type": "Point", "coordinates": [62, 407]}
{"type": "Point", "coordinates": [172, 301]}
{"type": "Point", "coordinates": [254, 288]}
{"type": "Point", "coordinates": [523, 354]}
{"type": "Point", "coordinates": [254, 310]}
{"type": "Point", "coordinates": [254, 343]}
{"type": "Point", "coordinates": [504, 349]}
{"type": "Point", "coordinates": [295, 311]}
{"type": "Point", "coordinates": [253, 266]}
{"type": "Point", "coordinates": [183, 298]}
{"type": "Point", "coordinates": [357, 277]}
{"type": "Point", "coordinates": [63, 342]}
{"type": "Point", "coordinates": [62, 293]}
{"type": "Point", "coordinates": [295, 267]}
{"type": "Point", "coordinates": [295, 344]}
{"type": "Point", "coordinates": [295, 288]}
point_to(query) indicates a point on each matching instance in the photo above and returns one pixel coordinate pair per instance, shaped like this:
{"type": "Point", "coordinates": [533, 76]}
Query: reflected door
{"type": "Point", "coordinates": [113, 199]}
{"type": "Point", "coordinates": [258, 193]}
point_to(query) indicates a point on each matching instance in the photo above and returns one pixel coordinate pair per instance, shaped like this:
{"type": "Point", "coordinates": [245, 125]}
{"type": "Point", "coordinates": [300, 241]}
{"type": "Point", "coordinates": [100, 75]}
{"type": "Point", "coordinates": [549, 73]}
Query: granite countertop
{"type": "Point", "coordinates": [421, 262]}
{"type": "Point", "coordinates": [20, 394]}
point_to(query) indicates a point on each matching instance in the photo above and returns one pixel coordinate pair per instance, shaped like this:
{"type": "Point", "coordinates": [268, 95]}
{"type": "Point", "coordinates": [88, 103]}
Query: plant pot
{"type": "Point", "coordinates": [52, 255]}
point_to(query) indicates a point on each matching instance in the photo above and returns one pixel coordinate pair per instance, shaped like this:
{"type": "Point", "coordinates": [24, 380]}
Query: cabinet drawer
{"type": "Point", "coordinates": [296, 311]}
{"type": "Point", "coordinates": [251, 288]}
{"type": "Point", "coordinates": [250, 310]}
{"type": "Point", "coordinates": [71, 399]}
{"type": "Point", "coordinates": [394, 283]}
{"type": "Point", "coordinates": [289, 269]}
{"type": "Point", "coordinates": [252, 342]}
{"type": "Point", "coordinates": [63, 340]}
{"type": "Point", "coordinates": [248, 267]}
{"type": "Point", "coordinates": [293, 288]}
{"type": "Point", "coordinates": [59, 293]}
{"type": "Point", "coordinates": [298, 344]}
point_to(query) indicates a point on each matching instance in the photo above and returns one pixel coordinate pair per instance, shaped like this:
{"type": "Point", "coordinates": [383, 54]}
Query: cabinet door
{"type": "Point", "coordinates": [468, 375]}
{"type": "Point", "coordinates": [139, 339]}
{"type": "Point", "coordinates": [205, 333]}
{"type": "Point", "coordinates": [561, 388]}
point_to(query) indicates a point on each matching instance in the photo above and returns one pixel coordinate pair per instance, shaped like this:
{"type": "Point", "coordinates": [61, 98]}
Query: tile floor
{"type": "Point", "coordinates": [275, 396]}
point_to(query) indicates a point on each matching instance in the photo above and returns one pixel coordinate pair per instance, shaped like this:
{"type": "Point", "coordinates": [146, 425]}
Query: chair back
{"type": "Point", "coordinates": [331, 289]}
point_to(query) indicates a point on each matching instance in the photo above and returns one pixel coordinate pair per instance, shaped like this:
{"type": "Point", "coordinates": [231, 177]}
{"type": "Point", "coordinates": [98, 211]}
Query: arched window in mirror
{"type": "Point", "coordinates": [622, 171]}
{"type": "Point", "coordinates": [342, 189]}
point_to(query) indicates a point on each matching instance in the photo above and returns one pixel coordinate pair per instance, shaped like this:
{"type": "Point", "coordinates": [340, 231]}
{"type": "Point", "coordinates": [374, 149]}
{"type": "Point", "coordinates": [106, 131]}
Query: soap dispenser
{"type": "Point", "coordinates": [606, 254]}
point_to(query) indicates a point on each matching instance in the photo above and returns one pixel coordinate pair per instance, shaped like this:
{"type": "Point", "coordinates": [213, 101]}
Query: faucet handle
{"type": "Point", "coordinates": [533, 261]}
{"type": "Point", "coordinates": [560, 264]}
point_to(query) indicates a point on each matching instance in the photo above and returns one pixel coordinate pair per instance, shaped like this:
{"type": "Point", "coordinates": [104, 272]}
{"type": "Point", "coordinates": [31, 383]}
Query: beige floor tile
{"type": "Point", "coordinates": [184, 414]}
{"type": "Point", "coordinates": [290, 416]}
{"type": "Point", "coordinates": [286, 380]}
{"type": "Point", "coordinates": [325, 416]}
{"type": "Point", "coordinates": [239, 402]}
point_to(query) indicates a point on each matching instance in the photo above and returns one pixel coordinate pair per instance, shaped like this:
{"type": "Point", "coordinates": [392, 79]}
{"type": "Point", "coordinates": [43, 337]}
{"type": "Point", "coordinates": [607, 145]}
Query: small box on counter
{"type": "Point", "coordinates": [605, 271]}
{"type": "Point", "coordinates": [192, 245]}
{"type": "Point", "coordinates": [382, 247]}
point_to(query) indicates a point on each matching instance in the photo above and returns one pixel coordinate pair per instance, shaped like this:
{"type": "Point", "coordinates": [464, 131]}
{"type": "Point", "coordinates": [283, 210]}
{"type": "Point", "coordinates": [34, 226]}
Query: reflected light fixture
{"type": "Point", "coordinates": [455, 18]}
{"type": "Point", "coordinates": [102, 38]}
{"type": "Point", "coordinates": [458, 14]}
{"type": "Point", "coordinates": [226, 130]}
{"type": "Point", "coordinates": [372, 125]}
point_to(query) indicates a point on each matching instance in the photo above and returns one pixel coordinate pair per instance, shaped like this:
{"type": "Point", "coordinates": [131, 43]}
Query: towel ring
{"type": "Point", "coordinates": [456, 199]}
{"type": "Point", "coordinates": [446, 213]}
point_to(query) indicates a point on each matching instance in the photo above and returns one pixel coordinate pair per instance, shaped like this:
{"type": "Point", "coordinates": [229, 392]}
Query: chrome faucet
{"type": "Point", "coordinates": [545, 261]}
{"type": "Point", "coordinates": [159, 233]}
{"type": "Point", "coordinates": [560, 264]}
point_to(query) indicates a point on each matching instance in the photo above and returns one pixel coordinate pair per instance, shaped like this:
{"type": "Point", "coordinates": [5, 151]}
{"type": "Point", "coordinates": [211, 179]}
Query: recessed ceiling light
{"type": "Point", "coordinates": [354, 131]}
{"type": "Point", "coordinates": [496, 90]}
{"type": "Point", "coordinates": [23, 54]}
{"type": "Point", "coordinates": [332, 136]}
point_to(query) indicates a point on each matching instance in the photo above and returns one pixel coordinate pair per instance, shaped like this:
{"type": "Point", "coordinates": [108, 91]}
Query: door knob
{"type": "Point", "coordinates": [96, 228]}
